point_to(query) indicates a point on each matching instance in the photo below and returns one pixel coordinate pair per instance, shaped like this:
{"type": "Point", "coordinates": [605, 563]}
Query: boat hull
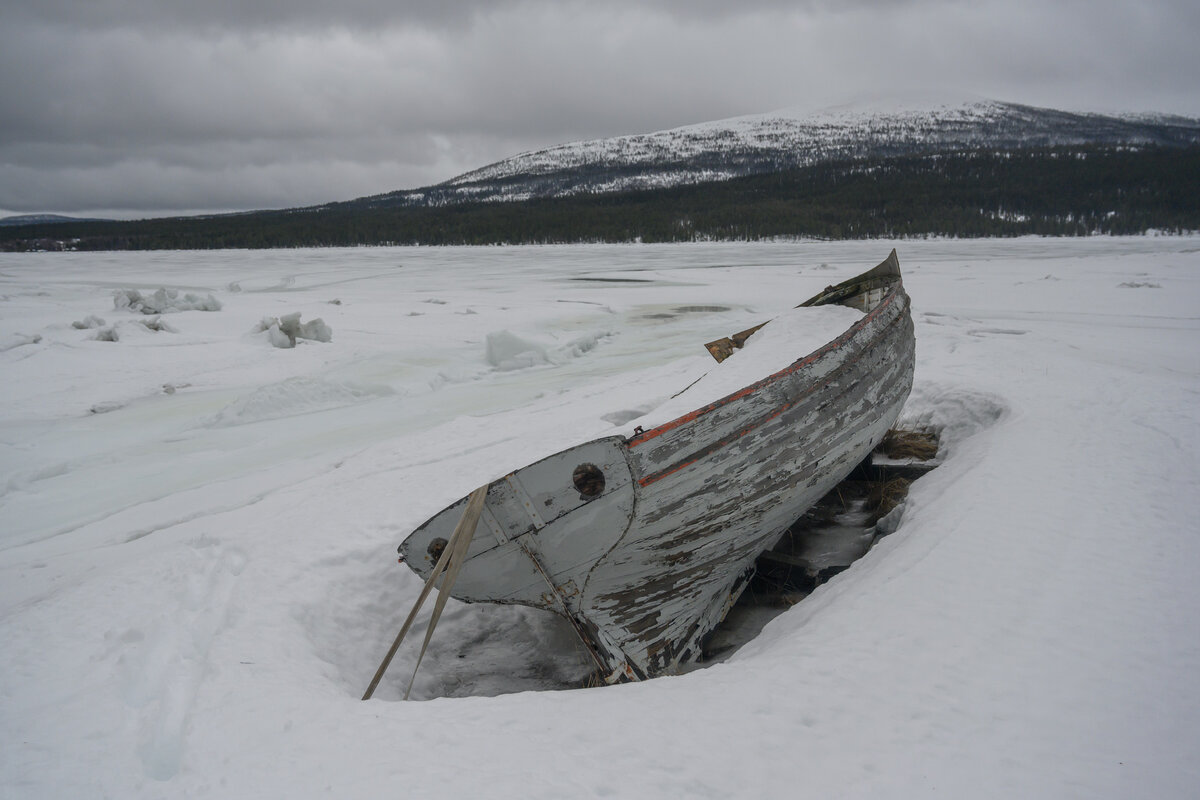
{"type": "Point", "coordinates": [644, 543]}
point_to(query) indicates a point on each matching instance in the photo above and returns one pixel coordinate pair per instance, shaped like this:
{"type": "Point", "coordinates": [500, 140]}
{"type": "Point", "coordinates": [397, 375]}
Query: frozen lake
{"type": "Point", "coordinates": [198, 527]}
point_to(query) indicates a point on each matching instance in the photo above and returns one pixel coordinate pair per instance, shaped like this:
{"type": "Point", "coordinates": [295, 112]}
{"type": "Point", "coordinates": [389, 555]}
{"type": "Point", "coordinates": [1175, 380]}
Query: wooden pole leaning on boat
{"type": "Point", "coordinates": [450, 562]}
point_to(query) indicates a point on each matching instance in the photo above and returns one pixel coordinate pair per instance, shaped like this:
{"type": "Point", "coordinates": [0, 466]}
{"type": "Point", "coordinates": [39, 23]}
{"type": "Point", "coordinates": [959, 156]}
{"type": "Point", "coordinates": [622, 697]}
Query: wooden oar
{"type": "Point", "coordinates": [453, 555]}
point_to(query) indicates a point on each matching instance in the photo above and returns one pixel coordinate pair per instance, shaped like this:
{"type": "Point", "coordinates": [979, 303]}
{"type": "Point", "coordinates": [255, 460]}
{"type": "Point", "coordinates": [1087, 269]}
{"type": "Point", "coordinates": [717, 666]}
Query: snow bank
{"type": "Point", "coordinates": [506, 351]}
{"type": "Point", "coordinates": [88, 322]}
{"type": "Point", "coordinates": [292, 397]}
{"type": "Point", "coordinates": [162, 301]}
{"type": "Point", "coordinates": [581, 345]}
{"type": "Point", "coordinates": [284, 331]}
{"type": "Point", "coordinates": [114, 332]}
{"type": "Point", "coordinates": [954, 413]}
{"type": "Point", "coordinates": [16, 340]}
{"type": "Point", "coordinates": [157, 325]}
{"type": "Point", "coordinates": [190, 609]}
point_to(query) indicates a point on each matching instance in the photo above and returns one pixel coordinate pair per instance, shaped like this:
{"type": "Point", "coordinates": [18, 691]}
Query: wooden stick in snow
{"type": "Point", "coordinates": [453, 555]}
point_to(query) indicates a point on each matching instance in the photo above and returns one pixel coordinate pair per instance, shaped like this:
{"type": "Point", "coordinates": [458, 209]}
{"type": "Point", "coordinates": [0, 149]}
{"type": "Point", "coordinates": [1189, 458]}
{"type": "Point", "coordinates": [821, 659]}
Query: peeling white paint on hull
{"type": "Point", "coordinates": [645, 542]}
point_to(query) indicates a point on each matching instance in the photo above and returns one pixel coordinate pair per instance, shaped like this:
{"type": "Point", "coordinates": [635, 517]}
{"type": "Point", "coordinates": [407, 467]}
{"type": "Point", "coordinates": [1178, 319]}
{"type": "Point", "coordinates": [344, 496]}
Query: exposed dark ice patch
{"type": "Point", "coordinates": [615, 280]}
{"type": "Point", "coordinates": [996, 331]}
{"type": "Point", "coordinates": [701, 309]}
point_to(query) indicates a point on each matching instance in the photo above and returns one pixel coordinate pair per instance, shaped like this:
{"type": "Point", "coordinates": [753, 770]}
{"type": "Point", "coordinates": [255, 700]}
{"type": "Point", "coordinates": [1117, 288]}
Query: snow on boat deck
{"type": "Point", "coordinates": [195, 585]}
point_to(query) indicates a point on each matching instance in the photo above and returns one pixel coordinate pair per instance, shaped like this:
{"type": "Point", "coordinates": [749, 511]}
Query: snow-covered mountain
{"type": "Point", "coordinates": [787, 139]}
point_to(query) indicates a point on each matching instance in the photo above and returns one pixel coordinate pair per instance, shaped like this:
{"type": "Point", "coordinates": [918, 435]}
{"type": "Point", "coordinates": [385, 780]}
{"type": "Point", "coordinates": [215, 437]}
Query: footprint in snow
{"type": "Point", "coordinates": [996, 332]}
{"type": "Point", "coordinates": [165, 665]}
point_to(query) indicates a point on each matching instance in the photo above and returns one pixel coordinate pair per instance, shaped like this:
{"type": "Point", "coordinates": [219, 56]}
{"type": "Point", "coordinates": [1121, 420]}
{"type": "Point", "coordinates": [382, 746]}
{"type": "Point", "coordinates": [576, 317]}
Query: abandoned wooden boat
{"type": "Point", "coordinates": [644, 542]}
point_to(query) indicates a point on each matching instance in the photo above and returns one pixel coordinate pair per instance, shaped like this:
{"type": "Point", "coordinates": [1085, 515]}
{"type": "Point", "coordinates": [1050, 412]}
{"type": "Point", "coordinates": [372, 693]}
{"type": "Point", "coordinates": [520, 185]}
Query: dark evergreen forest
{"type": "Point", "coordinates": [1067, 191]}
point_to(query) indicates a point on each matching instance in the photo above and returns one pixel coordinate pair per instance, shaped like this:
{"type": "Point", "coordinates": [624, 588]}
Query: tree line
{"type": "Point", "coordinates": [1053, 191]}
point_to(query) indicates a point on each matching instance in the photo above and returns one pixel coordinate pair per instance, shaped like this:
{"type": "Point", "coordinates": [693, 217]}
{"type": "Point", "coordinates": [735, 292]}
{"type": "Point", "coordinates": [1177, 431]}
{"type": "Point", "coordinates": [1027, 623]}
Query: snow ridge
{"type": "Point", "coordinates": [791, 138]}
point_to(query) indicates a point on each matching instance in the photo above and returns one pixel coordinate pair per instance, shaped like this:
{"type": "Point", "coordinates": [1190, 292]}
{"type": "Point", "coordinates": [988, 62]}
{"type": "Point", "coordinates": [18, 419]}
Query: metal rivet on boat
{"type": "Point", "coordinates": [589, 480]}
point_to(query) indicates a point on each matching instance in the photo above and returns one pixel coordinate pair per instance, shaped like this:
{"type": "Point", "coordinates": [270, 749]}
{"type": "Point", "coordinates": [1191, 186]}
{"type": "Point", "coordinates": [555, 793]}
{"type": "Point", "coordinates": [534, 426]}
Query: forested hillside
{"type": "Point", "coordinates": [1057, 191]}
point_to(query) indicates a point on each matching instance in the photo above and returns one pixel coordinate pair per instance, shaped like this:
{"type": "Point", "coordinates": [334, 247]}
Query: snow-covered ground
{"type": "Point", "coordinates": [198, 527]}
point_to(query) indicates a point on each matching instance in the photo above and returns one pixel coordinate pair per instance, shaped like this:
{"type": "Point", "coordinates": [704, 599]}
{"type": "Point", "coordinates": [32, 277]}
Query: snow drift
{"type": "Point", "coordinates": [195, 587]}
{"type": "Point", "coordinates": [292, 397]}
{"type": "Point", "coordinates": [163, 301]}
{"type": "Point", "coordinates": [506, 351]}
{"type": "Point", "coordinates": [284, 331]}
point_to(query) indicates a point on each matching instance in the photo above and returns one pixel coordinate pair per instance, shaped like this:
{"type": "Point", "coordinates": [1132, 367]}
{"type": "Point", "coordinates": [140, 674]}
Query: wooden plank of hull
{"type": "Point", "coordinates": [650, 562]}
{"type": "Point", "coordinates": [721, 487]}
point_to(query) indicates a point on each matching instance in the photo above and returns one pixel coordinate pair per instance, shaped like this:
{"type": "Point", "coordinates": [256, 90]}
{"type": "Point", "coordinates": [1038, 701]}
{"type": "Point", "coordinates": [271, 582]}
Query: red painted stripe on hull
{"type": "Point", "coordinates": [646, 436]}
{"type": "Point", "coordinates": [712, 448]}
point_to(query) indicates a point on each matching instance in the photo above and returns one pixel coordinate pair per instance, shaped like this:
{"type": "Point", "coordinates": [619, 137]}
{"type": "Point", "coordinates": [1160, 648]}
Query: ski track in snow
{"type": "Point", "coordinates": [161, 675]}
{"type": "Point", "coordinates": [197, 583]}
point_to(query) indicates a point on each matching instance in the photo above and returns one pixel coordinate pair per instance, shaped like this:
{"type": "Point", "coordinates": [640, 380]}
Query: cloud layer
{"type": "Point", "coordinates": [164, 106]}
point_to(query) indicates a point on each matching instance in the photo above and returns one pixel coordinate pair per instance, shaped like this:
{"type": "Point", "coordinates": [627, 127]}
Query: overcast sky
{"type": "Point", "coordinates": [148, 107]}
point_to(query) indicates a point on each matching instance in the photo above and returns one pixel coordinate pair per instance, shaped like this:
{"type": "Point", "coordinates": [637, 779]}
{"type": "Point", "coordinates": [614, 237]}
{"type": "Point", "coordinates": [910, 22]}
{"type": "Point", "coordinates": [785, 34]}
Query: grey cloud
{"type": "Point", "coordinates": [241, 15]}
{"type": "Point", "coordinates": [238, 15]}
{"type": "Point", "coordinates": [217, 106]}
{"type": "Point", "coordinates": [223, 176]}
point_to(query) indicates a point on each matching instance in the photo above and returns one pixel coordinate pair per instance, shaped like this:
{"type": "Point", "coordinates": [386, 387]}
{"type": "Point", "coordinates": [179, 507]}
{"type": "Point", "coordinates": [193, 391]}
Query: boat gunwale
{"type": "Point", "coordinates": [717, 445]}
{"type": "Point", "coordinates": [804, 361]}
